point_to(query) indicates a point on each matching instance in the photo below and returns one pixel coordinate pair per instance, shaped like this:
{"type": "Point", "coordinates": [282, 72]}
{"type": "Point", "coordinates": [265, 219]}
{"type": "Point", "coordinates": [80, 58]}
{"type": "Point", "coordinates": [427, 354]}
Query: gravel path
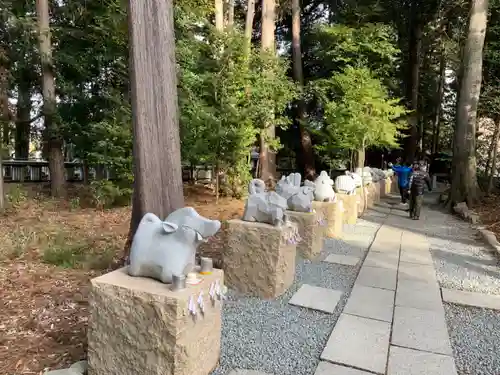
{"type": "Point", "coordinates": [475, 339]}
{"type": "Point", "coordinates": [278, 338]}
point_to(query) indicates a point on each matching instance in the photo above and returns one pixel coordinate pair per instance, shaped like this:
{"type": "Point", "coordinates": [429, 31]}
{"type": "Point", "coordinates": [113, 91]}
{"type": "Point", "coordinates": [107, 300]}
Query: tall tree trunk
{"type": "Point", "coordinates": [219, 15]}
{"type": "Point", "coordinates": [267, 156]}
{"type": "Point", "coordinates": [360, 158]}
{"type": "Point", "coordinates": [55, 142]}
{"type": "Point", "coordinates": [249, 23]}
{"type": "Point", "coordinates": [156, 147]}
{"type": "Point", "coordinates": [23, 122]}
{"type": "Point", "coordinates": [413, 88]}
{"type": "Point", "coordinates": [493, 156]}
{"type": "Point", "coordinates": [439, 103]}
{"type": "Point", "coordinates": [464, 179]}
{"type": "Point", "coordinates": [230, 14]}
{"type": "Point", "coordinates": [307, 157]}
{"type": "Point", "coordinates": [4, 112]}
{"type": "Point", "coordinates": [4, 97]}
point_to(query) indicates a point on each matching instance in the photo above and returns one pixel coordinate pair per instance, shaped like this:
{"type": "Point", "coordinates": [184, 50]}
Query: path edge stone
{"type": "Point", "coordinates": [490, 238]}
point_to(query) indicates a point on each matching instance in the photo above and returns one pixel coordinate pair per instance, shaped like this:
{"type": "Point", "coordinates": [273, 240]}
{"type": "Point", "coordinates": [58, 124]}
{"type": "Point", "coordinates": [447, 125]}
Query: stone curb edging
{"type": "Point", "coordinates": [490, 239]}
{"type": "Point", "coordinates": [78, 368]}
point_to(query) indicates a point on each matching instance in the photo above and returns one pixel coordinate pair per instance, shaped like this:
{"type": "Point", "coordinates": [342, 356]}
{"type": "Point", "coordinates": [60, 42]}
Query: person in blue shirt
{"type": "Point", "coordinates": [403, 172]}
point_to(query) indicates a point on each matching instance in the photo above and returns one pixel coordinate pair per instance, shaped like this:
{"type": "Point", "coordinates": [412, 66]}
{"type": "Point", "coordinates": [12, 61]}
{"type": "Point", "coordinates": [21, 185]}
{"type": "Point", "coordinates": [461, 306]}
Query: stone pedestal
{"type": "Point", "coordinates": [362, 199]}
{"type": "Point", "coordinates": [311, 232]}
{"type": "Point", "coordinates": [382, 186]}
{"type": "Point", "coordinates": [259, 259]}
{"type": "Point", "coordinates": [139, 326]}
{"type": "Point", "coordinates": [394, 185]}
{"type": "Point", "coordinates": [332, 215]}
{"type": "Point", "coordinates": [388, 185]}
{"type": "Point", "coordinates": [377, 187]}
{"type": "Point", "coordinates": [350, 204]}
{"type": "Point", "coordinates": [371, 196]}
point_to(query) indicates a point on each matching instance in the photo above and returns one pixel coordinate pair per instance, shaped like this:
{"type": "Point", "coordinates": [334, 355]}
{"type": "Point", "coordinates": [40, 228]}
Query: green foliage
{"type": "Point", "coordinates": [227, 98]}
{"type": "Point", "coordinates": [77, 255]}
{"type": "Point", "coordinates": [16, 195]}
{"type": "Point", "coordinates": [106, 193]}
{"type": "Point", "coordinates": [371, 45]}
{"type": "Point", "coordinates": [358, 112]}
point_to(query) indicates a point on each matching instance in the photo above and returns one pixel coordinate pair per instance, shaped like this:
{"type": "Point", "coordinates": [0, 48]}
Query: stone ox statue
{"type": "Point", "coordinates": [161, 249]}
{"type": "Point", "coordinates": [299, 198]}
{"type": "Point", "coordinates": [264, 206]}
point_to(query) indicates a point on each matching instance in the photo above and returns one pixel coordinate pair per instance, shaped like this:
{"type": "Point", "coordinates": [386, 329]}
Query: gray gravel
{"type": "Point", "coordinates": [277, 338]}
{"type": "Point", "coordinates": [475, 338]}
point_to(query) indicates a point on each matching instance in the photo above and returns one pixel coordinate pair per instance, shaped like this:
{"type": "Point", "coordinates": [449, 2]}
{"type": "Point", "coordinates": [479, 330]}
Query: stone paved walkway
{"type": "Point", "coordinates": [394, 320]}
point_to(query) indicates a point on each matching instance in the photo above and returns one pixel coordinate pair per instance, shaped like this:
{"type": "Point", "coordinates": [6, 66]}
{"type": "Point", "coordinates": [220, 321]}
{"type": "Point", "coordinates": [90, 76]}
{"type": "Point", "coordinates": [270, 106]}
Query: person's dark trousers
{"type": "Point", "coordinates": [404, 194]}
{"type": "Point", "coordinates": [416, 205]}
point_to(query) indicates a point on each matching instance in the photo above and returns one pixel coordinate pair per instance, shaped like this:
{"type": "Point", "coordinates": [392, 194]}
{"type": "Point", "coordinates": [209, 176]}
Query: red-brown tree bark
{"type": "Point", "coordinates": [156, 148]}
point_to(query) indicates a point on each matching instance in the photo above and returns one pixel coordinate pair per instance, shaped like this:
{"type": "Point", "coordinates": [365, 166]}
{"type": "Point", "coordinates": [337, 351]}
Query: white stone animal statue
{"type": "Point", "coordinates": [299, 198]}
{"type": "Point", "coordinates": [324, 188]}
{"type": "Point", "coordinates": [302, 201]}
{"type": "Point", "coordinates": [289, 185]}
{"type": "Point", "coordinates": [264, 207]}
{"type": "Point", "coordinates": [161, 249]}
{"type": "Point", "coordinates": [345, 184]}
{"type": "Point", "coordinates": [365, 174]}
{"type": "Point", "coordinates": [358, 181]}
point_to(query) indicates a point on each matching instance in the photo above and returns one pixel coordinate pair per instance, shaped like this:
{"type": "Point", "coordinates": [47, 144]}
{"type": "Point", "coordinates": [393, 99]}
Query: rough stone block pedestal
{"type": "Point", "coordinates": [259, 258]}
{"type": "Point", "coordinates": [388, 185]}
{"type": "Point", "coordinates": [371, 196]}
{"type": "Point", "coordinates": [362, 197]}
{"type": "Point", "coordinates": [350, 204]}
{"type": "Point", "coordinates": [139, 326]}
{"type": "Point", "coordinates": [332, 215]}
{"type": "Point", "coordinates": [394, 185]}
{"type": "Point", "coordinates": [377, 191]}
{"type": "Point", "coordinates": [382, 186]}
{"type": "Point", "coordinates": [311, 232]}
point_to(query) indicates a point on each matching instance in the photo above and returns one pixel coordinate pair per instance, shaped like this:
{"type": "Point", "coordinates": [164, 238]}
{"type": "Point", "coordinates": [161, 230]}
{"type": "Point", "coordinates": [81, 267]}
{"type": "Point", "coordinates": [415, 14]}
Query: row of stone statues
{"type": "Point", "coordinates": [270, 206]}
{"type": "Point", "coordinates": [164, 249]}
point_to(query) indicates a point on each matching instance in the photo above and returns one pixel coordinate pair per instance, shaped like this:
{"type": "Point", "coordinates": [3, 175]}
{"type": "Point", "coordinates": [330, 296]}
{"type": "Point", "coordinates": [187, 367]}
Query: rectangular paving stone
{"type": "Point", "coordinates": [382, 260]}
{"type": "Point", "coordinates": [346, 260]}
{"type": "Point", "coordinates": [359, 342]}
{"type": "Point", "coordinates": [380, 246]}
{"type": "Point", "coordinates": [327, 368]}
{"type": "Point", "coordinates": [412, 238]}
{"type": "Point", "coordinates": [461, 297]}
{"type": "Point", "coordinates": [371, 303]}
{"type": "Point", "coordinates": [417, 272]}
{"type": "Point", "coordinates": [403, 361]}
{"type": "Point", "coordinates": [419, 257]}
{"type": "Point", "coordinates": [421, 329]}
{"type": "Point", "coordinates": [316, 298]}
{"type": "Point", "coordinates": [377, 277]}
{"type": "Point", "coordinates": [419, 295]}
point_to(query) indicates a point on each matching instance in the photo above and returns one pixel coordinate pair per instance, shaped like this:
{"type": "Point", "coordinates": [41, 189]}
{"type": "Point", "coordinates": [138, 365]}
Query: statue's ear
{"type": "Point", "coordinates": [169, 227]}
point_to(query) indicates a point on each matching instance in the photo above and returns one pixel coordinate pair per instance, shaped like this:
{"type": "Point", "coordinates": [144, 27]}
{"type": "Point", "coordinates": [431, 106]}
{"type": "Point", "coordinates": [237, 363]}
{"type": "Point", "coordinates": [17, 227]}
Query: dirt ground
{"type": "Point", "coordinates": [489, 212]}
{"type": "Point", "coordinates": [43, 307]}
